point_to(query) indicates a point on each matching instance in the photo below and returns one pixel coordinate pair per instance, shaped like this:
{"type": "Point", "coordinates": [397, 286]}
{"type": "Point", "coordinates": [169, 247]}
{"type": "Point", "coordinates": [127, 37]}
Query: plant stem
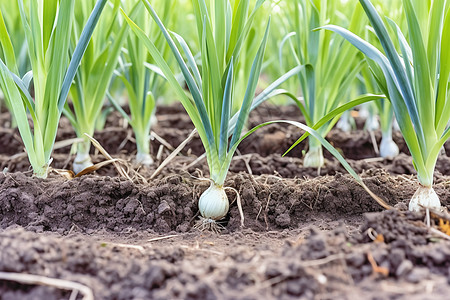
{"type": "Point", "coordinates": [83, 159]}
{"type": "Point", "coordinates": [41, 171]}
{"type": "Point", "coordinates": [143, 148]}
{"type": "Point", "coordinates": [314, 156]}
{"type": "Point", "coordinates": [388, 148]}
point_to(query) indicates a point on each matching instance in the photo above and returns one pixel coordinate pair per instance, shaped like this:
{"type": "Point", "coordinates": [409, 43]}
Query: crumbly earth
{"type": "Point", "coordinates": [305, 237]}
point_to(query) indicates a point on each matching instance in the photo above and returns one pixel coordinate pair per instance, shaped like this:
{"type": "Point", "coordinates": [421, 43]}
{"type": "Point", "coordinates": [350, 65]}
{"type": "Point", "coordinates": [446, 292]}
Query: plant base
{"type": "Point", "coordinates": [424, 197]}
{"type": "Point", "coordinates": [81, 162]}
{"type": "Point", "coordinates": [388, 148]}
{"type": "Point", "coordinates": [314, 158]}
{"type": "Point", "coordinates": [213, 203]}
{"type": "Point", "coordinates": [144, 159]}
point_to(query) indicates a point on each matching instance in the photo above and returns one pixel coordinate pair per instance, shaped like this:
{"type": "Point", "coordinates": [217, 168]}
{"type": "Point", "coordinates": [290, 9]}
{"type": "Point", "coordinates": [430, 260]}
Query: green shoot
{"type": "Point", "coordinates": [222, 35]}
{"type": "Point", "coordinates": [143, 81]}
{"type": "Point", "coordinates": [330, 65]}
{"type": "Point", "coordinates": [416, 82]}
{"type": "Point", "coordinates": [47, 26]}
{"type": "Point", "coordinates": [94, 74]}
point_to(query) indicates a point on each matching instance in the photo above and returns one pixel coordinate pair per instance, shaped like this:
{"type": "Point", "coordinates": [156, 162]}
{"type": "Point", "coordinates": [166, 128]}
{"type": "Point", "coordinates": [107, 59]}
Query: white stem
{"type": "Point", "coordinates": [344, 122]}
{"type": "Point", "coordinates": [388, 148]}
{"type": "Point", "coordinates": [213, 203]}
{"type": "Point", "coordinates": [364, 111]}
{"type": "Point", "coordinates": [395, 125]}
{"type": "Point", "coordinates": [81, 162]}
{"type": "Point", "coordinates": [372, 123]}
{"type": "Point", "coordinates": [41, 172]}
{"type": "Point", "coordinates": [314, 158]}
{"type": "Point", "coordinates": [144, 159]}
{"type": "Point", "coordinates": [424, 197]}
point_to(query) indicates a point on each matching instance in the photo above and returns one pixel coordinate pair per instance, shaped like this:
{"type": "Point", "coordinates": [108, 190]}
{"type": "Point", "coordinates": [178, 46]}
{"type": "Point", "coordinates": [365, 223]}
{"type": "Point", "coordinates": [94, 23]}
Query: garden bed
{"type": "Point", "coordinates": [305, 236]}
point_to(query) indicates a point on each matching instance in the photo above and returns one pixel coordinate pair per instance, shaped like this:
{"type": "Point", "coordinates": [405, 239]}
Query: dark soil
{"type": "Point", "coordinates": [305, 237]}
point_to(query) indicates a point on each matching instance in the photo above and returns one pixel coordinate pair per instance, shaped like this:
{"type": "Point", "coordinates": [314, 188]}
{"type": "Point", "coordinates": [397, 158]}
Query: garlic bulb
{"type": "Point", "coordinates": [144, 159]}
{"type": "Point", "coordinates": [314, 158]}
{"type": "Point", "coordinates": [81, 161]}
{"type": "Point", "coordinates": [424, 197]}
{"type": "Point", "coordinates": [388, 148]}
{"type": "Point", "coordinates": [213, 203]}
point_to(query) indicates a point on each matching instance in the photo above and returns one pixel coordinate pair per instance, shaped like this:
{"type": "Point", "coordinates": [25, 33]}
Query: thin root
{"type": "Point", "coordinates": [239, 204]}
{"type": "Point", "coordinates": [209, 224]}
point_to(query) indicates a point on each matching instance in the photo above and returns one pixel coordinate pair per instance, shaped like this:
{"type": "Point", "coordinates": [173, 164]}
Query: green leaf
{"type": "Point", "coordinates": [336, 112]}
{"type": "Point", "coordinates": [79, 51]}
{"type": "Point", "coordinates": [193, 88]}
{"type": "Point", "coordinates": [251, 87]}
{"type": "Point", "coordinates": [223, 146]}
{"type": "Point", "coordinates": [187, 104]}
{"type": "Point", "coordinates": [442, 103]}
{"type": "Point", "coordinates": [7, 47]}
{"type": "Point", "coordinates": [266, 94]}
{"type": "Point", "coordinates": [422, 80]}
{"type": "Point", "coordinates": [394, 66]}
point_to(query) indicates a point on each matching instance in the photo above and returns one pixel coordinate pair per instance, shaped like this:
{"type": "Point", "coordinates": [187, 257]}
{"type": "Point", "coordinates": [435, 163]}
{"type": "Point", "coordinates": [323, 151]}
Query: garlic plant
{"type": "Point", "coordinates": [144, 82]}
{"type": "Point", "coordinates": [93, 77]}
{"type": "Point", "coordinates": [384, 110]}
{"type": "Point", "coordinates": [222, 28]}
{"type": "Point", "coordinates": [415, 81]}
{"type": "Point", "coordinates": [331, 66]}
{"type": "Point", "coordinates": [48, 27]}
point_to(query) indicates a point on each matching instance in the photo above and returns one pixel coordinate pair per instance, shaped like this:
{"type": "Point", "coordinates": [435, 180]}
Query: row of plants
{"type": "Point", "coordinates": [326, 56]}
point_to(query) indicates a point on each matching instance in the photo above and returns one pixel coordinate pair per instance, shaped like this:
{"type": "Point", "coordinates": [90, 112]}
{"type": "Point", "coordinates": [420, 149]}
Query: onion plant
{"type": "Point", "coordinates": [47, 25]}
{"type": "Point", "coordinates": [383, 108]}
{"type": "Point", "coordinates": [331, 66]}
{"type": "Point", "coordinates": [221, 34]}
{"type": "Point", "coordinates": [143, 81]}
{"type": "Point", "coordinates": [385, 112]}
{"type": "Point", "coordinates": [93, 77]}
{"type": "Point", "coordinates": [416, 81]}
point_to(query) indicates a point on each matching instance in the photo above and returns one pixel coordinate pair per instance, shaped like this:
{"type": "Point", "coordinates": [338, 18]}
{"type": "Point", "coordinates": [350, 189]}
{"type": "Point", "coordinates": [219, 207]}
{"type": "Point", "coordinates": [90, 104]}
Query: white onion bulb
{"type": "Point", "coordinates": [314, 158]}
{"type": "Point", "coordinates": [81, 162]}
{"type": "Point", "coordinates": [388, 148]}
{"type": "Point", "coordinates": [213, 203]}
{"type": "Point", "coordinates": [144, 159]}
{"type": "Point", "coordinates": [426, 197]}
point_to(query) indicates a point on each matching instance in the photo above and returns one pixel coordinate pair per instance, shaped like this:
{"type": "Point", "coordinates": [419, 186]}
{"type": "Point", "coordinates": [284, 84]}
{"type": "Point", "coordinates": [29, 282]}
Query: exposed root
{"type": "Point", "coordinates": [209, 224]}
{"type": "Point", "coordinates": [239, 204]}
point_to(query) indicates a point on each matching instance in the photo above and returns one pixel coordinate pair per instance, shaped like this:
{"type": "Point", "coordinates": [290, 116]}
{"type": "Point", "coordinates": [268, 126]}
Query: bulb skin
{"type": "Point", "coordinates": [81, 161]}
{"type": "Point", "coordinates": [388, 148]}
{"type": "Point", "coordinates": [344, 122]}
{"type": "Point", "coordinates": [426, 197]}
{"type": "Point", "coordinates": [144, 159]}
{"type": "Point", "coordinates": [213, 203]}
{"type": "Point", "coordinates": [372, 123]}
{"type": "Point", "coordinates": [314, 158]}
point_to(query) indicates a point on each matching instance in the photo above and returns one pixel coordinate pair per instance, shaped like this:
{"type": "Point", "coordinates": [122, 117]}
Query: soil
{"type": "Point", "coordinates": [304, 237]}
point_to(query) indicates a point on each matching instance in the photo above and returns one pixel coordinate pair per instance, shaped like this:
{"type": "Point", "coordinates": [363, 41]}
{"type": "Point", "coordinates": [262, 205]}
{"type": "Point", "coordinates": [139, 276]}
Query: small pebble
{"type": "Point", "coordinates": [404, 268]}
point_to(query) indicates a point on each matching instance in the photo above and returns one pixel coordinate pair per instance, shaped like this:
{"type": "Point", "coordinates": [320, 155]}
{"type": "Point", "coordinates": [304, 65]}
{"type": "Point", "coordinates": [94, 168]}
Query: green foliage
{"type": "Point", "coordinates": [95, 72]}
{"type": "Point", "coordinates": [331, 66]}
{"type": "Point", "coordinates": [143, 80]}
{"type": "Point", "coordinates": [222, 35]}
{"type": "Point", "coordinates": [47, 27]}
{"type": "Point", "coordinates": [416, 78]}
